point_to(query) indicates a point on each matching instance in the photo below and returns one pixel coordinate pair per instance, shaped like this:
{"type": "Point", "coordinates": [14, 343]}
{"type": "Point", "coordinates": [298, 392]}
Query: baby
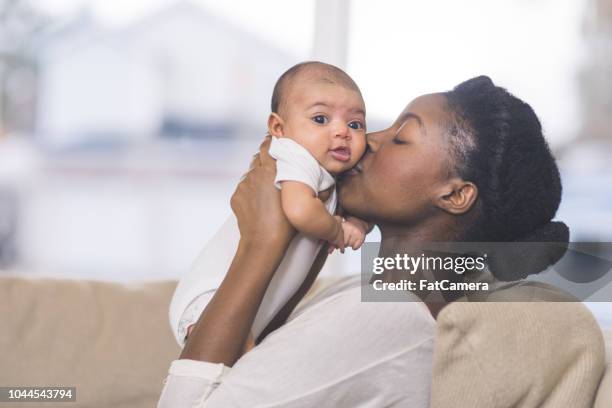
{"type": "Point", "coordinates": [318, 128]}
{"type": "Point", "coordinates": [318, 124]}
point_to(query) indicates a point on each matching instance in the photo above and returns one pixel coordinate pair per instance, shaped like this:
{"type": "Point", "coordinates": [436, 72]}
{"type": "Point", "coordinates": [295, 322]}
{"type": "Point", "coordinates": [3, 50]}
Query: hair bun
{"type": "Point", "coordinates": [553, 231]}
{"type": "Point", "coordinates": [478, 85]}
{"type": "Point", "coordinates": [520, 260]}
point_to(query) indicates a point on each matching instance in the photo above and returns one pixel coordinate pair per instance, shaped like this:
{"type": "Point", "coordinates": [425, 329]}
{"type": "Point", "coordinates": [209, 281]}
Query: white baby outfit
{"type": "Point", "coordinates": [196, 288]}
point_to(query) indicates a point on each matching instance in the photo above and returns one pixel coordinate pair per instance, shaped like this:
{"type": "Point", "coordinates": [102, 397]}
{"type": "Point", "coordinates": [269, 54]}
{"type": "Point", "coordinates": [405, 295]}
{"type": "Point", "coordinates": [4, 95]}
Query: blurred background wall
{"type": "Point", "coordinates": [124, 126]}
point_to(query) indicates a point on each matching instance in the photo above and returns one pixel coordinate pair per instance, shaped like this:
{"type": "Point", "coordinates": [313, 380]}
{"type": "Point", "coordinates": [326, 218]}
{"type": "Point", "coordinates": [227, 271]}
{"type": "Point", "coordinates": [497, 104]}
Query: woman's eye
{"type": "Point", "coordinates": [398, 141]}
{"type": "Point", "coordinates": [320, 119]}
{"type": "Point", "coordinates": [356, 125]}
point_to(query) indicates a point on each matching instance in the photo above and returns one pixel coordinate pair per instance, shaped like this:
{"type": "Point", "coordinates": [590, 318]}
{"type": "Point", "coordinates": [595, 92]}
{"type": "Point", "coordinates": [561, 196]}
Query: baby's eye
{"type": "Point", "coordinates": [356, 125]}
{"type": "Point", "coordinates": [320, 119]}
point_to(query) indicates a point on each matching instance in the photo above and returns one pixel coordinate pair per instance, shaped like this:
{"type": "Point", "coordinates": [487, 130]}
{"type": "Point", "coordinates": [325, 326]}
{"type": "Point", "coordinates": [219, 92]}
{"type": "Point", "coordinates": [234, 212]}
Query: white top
{"type": "Point", "coordinates": [334, 351]}
{"type": "Point", "coordinates": [295, 163]}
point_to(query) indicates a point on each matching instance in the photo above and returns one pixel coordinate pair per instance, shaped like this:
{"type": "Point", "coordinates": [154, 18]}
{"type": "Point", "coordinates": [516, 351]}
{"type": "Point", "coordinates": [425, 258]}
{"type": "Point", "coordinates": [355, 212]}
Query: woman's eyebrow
{"type": "Point", "coordinates": [409, 115]}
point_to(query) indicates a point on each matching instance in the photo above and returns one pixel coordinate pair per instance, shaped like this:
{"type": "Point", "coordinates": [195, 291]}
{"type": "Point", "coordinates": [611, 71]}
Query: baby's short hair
{"type": "Point", "coordinates": [320, 70]}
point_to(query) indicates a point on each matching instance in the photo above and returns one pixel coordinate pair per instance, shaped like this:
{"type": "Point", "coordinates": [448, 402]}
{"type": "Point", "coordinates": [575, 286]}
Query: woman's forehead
{"type": "Point", "coordinates": [428, 105]}
{"type": "Point", "coordinates": [430, 110]}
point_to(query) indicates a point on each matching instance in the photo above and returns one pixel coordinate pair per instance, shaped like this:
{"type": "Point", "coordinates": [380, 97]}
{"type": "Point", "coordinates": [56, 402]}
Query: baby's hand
{"type": "Point", "coordinates": [354, 233]}
{"type": "Point", "coordinates": [338, 241]}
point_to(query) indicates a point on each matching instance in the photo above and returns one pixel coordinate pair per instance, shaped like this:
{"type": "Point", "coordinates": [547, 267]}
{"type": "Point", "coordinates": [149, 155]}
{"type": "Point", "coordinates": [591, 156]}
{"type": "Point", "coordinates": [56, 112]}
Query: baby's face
{"type": "Point", "coordinates": [329, 121]}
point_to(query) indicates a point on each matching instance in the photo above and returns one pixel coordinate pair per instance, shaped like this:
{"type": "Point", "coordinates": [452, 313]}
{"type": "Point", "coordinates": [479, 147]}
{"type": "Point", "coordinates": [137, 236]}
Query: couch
{"type": "Point", "coordinates": [111, 341]}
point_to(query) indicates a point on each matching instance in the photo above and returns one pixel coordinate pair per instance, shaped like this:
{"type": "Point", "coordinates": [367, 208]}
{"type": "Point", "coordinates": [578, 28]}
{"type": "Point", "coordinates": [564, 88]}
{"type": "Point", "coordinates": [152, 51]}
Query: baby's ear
{"type": "Point", "coordinates": [275, 125]}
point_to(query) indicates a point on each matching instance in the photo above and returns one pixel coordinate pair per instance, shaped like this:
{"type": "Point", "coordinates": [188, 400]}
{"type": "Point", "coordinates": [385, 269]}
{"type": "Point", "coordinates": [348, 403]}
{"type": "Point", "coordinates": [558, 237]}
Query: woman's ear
{"type": "Point", "coordinates": [275, 125]}
{"type": "Point", "coordinates": [457, 196]}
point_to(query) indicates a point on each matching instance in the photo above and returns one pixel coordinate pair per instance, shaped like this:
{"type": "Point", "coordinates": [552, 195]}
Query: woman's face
{"type": "Point", "coordinates": [398, 177]}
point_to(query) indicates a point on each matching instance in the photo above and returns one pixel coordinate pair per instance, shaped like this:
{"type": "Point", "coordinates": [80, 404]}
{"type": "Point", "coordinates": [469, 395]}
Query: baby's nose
{"type": "Point", "coordinates": [342, 131]}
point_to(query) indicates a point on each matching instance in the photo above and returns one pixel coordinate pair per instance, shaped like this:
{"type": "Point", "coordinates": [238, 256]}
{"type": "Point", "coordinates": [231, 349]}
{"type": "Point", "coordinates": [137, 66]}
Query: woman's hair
{"type": "Point", "coordinates": [496, 142]}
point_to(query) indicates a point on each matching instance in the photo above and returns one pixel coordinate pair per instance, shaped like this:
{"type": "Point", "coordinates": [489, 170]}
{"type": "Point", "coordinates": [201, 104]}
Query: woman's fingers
{"type": "Point", "coordinates": [255, 162]}
{"type": "Point", "coordinates": [264, 155]}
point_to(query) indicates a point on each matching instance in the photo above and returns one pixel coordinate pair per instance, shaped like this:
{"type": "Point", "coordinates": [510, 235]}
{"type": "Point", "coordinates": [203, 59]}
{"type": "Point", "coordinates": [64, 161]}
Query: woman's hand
{"type": "Point", "coordinates": [257, 203]}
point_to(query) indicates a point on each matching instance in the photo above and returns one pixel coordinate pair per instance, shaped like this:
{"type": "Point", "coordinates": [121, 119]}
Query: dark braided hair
{"type": "Point", "coordinates": [497, 143]}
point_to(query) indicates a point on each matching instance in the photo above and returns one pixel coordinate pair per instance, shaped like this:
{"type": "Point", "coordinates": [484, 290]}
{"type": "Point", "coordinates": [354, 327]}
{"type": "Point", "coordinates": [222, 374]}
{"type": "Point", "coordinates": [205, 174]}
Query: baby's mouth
{"type": "Point", "coordinates": [342, 153]}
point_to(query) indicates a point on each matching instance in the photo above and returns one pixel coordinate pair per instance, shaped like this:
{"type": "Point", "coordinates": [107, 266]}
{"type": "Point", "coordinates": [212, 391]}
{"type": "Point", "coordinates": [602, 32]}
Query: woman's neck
{"type": "Point", "coordinates": [396, 240]}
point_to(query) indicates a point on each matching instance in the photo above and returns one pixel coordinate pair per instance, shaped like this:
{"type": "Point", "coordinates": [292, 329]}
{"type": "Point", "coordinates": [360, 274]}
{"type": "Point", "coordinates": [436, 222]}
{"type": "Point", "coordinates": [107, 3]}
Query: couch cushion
{"type": "Point", "coordinates": [604, 394]}
{"type": "Point", "coordinates": [111, 341]}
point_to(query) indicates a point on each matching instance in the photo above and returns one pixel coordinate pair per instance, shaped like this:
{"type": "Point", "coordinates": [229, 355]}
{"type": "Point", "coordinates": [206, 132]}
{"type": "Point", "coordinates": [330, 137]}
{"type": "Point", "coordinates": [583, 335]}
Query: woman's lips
{"type": "Point", "coordinates": [342, 154]}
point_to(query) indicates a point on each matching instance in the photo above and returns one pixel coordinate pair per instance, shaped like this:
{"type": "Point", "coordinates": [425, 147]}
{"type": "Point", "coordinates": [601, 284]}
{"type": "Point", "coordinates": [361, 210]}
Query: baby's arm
{"type": "Point", "coordinates": [308, 214]}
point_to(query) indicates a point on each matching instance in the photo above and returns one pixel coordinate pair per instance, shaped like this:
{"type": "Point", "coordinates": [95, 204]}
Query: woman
{"type": "Point", "coordinates": [466, 165]}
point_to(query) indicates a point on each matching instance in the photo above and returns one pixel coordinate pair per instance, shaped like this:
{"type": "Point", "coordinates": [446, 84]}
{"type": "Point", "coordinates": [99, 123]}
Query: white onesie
{"type": "Point", "coordinates": [196, 288]}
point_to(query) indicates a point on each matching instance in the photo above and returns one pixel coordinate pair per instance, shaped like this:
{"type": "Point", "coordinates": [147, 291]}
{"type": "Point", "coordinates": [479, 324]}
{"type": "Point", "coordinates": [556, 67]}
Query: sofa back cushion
{"type": "Point", "coordinates": [111, 341]}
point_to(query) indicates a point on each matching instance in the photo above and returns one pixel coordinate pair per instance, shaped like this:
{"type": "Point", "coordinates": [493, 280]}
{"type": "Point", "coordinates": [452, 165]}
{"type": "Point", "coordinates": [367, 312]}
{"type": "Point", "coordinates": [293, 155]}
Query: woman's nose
{"type": "Point", "coordinates": [373, 141]}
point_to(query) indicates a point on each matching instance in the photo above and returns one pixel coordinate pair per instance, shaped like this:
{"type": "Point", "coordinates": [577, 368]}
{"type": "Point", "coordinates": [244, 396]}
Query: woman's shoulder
{"type": "Point", "coordinates": [528, 341]}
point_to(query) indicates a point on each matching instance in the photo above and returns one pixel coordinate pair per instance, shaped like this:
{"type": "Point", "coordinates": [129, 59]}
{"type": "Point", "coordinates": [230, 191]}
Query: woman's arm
{"type": "Point", "coordinates": [224, 326]}
{"type": "Point", "coordinates": [281, 317]}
